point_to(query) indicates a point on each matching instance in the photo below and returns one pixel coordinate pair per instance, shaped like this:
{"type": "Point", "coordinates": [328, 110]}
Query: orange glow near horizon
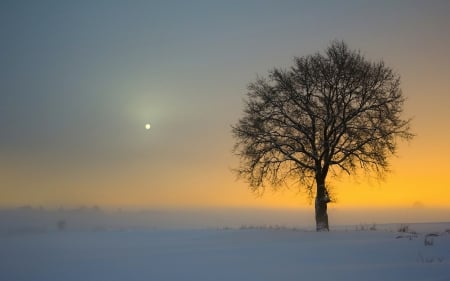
{"type": "Point", "coordinates": [407, 185]}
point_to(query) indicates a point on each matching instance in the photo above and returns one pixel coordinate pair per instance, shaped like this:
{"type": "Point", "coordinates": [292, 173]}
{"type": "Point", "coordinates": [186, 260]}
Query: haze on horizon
{"type": "Point", "coordinates": [79, 81]}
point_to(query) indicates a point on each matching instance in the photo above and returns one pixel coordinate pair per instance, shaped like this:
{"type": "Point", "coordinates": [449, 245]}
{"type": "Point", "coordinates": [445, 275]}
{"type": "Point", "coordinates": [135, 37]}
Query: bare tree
{"type": "Point", "coordinates": [329, 113]}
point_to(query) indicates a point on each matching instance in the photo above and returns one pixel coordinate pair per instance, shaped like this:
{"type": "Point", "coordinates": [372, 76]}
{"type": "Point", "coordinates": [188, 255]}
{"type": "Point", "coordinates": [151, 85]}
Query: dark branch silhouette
{"type": "Point", "coordinates": [333, 110]}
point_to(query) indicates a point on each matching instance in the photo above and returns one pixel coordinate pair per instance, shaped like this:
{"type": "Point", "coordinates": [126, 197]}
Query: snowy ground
{"type": "Point", "coordinates": [227, 254]}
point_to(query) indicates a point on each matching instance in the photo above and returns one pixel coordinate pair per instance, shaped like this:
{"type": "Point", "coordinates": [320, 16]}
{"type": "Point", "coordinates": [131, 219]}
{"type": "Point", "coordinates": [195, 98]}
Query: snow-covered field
{"type": "Point", "coordinates": [228, 254]}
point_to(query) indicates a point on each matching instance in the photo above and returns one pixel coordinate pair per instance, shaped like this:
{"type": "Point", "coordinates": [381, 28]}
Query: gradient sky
{"type": "Point", "coordinates": [80, 79]}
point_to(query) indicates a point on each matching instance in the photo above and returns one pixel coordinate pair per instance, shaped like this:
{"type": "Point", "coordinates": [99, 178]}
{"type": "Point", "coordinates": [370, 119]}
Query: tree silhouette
{"type": "Point", "coordinates": [330, 112]}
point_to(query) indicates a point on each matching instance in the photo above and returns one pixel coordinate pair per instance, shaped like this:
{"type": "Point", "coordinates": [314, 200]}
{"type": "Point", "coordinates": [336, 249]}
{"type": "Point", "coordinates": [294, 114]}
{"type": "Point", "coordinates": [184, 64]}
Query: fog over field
{"type": "Point", "coordinates": [94, 218]}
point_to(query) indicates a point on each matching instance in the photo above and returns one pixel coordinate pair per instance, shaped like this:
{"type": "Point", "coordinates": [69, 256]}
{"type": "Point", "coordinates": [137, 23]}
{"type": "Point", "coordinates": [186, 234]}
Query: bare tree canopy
{"type": "Point", "coordinates": [330, 112]}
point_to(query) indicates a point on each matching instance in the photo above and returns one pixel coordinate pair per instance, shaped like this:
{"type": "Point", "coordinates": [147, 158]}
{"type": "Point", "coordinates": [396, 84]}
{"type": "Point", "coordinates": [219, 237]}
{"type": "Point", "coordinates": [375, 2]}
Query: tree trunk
{"type": "Point", "coordinates": [322, 200]}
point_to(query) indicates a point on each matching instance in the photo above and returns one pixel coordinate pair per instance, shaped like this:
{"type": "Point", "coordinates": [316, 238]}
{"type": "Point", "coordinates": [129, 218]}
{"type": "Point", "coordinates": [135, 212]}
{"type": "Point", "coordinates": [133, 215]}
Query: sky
{"type": "Point", "coordinates": [80, 79]}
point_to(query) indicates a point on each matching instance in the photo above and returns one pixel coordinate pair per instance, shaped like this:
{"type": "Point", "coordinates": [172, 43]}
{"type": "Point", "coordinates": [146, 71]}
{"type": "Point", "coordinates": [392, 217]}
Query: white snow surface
{"type": "Point", "coordinates": [227, 254]}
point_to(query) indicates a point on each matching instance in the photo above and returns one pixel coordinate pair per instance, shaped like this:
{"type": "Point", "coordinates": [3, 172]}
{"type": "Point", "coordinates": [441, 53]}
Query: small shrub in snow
{"type": "Point", "coordinates": [408, 233]}
{"type": "Point", "coordinates": [61, 225]}
{"type": "Point", "coordinates": [364, 227]}
{"type": "Point", "coordinates": [428, 241]}
{"type": "Point", "coordinates": [403, 228]}
{"type": "Point", "coordinates": [422, 259]}
{"type": "Point", "coordinates": [266, 227]}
